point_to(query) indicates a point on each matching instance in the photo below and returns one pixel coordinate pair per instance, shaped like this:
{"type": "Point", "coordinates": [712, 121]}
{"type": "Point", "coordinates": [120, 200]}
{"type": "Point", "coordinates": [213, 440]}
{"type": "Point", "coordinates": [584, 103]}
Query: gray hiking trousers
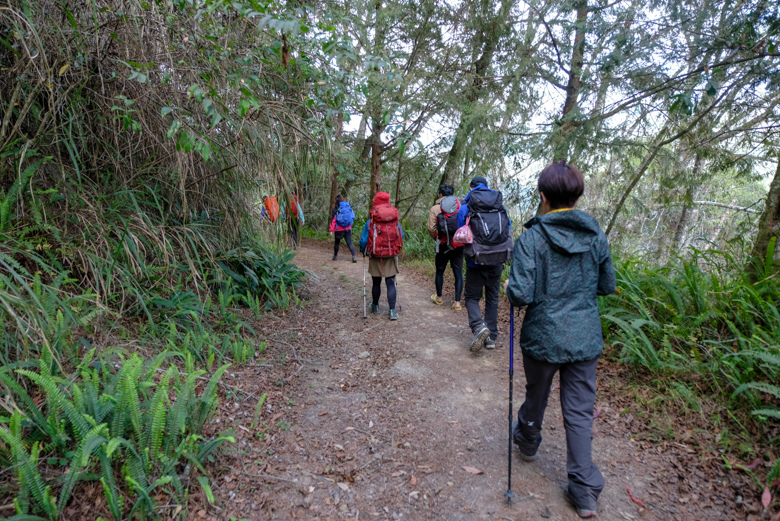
{"type": "Point", "coordinates": [578, 393]}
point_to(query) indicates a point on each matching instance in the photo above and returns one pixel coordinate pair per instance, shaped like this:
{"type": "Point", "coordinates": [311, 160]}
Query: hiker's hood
{"type": "Point", "coordinates": [478, 187]}
{"type": "Point", "coordinates": [570, 231]}
{"type": "Point", "coordinates": [381, 198]}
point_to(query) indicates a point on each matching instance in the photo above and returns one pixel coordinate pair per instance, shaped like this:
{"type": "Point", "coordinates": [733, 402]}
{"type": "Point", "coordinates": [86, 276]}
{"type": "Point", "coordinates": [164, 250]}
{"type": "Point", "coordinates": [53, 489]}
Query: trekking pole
{"type": "Point", "coordinates": [509, 494]}
{"type": "Point", "coordinates": [397, 300]}
{"type": "Point", "coordinates": [364, 289]}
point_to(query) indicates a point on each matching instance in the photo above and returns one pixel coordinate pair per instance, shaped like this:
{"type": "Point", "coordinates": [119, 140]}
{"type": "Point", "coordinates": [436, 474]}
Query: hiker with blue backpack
{"type": "Point", "coordinates": [559, 267]}
{"type": "Point", "coordinates": [342, 218]}
{"type": "Point", "coordinates": [483, 216]}
{"type": "Point", "coordinates": [442, 225]}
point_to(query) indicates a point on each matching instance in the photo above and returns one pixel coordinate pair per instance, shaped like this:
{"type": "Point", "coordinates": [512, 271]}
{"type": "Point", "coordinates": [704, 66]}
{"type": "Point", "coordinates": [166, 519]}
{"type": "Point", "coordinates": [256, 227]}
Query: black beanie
{"type": "Point", "coordinates": [478, 181]}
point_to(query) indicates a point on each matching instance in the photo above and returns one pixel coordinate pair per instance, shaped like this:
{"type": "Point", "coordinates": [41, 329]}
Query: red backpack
{"type": "Point", "coordinates": [384, 233]}
{"type": "Point", "coordinates": [271, 208]}
{"type": "Point", "coordinates": [447, 224]}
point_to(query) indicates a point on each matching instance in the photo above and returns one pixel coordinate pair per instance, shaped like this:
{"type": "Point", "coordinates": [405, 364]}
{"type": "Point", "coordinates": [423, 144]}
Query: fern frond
{"type": "Point", "coordinates": [58, 399]}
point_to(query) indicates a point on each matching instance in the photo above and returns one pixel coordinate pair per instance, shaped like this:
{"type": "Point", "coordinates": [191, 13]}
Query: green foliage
{"type": "Point", "coordinates": [116, 419]}
{"type": "Point", "coordinates": [261, 273]}
{"type": "Point", "coordinates": [700, 316]}
{"type": "Point", "coordinates": [417, 242]}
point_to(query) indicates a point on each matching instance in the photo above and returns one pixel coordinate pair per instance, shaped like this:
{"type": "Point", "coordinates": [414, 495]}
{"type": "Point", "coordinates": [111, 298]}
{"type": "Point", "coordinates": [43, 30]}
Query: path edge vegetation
{"type": "Point", "coordinates": [136, 143]}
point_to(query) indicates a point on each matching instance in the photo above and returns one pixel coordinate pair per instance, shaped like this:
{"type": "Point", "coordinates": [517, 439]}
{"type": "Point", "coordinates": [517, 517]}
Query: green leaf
{"type": "Point", "coordinates": [165, 111]}
{"type": "Point", "coordinates": [204, 149]}
{"type": "Point", "coordinates": [208, 106]}
{"type": "Point", "coordinates": [204, 483]}
{"type": "Point", "coordinates": [175, 126]}
{"type": "Point", "coordinates": [712, 87]}
{"type": "Point", "coordinates": [186, 141]}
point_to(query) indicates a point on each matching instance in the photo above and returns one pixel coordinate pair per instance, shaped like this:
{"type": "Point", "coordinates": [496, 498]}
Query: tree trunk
{"type": "Point", "coordinates": [334, 180]}
{"type": "Point", "coordinates": [683, 221]}
{"type": "Point", "coordinates": [768, 229]}
{"type": "Point", "coordinates": [398, 180]}
{"type": "Point", "coordinates": [374, 105]}
{"type": "Point", "coordinates": [685, 216]}
{"type": "Point", "coordinates": [376, 170]}
{"type": "Point", "coordinates": [487, 41]}
{"type": "Point", "coordinates": [561, 138]}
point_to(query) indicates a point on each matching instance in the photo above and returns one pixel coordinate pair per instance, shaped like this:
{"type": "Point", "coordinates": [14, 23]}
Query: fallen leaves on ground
{"type": "Point", "coordinates": [472, 470]}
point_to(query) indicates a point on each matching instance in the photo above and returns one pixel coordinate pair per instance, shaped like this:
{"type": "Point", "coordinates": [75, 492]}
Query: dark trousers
{"type": "Point", "coordinates": [477, 279]}
{"type": "Point", "coordinates": [293, 227]}
{"type": "Point", "coordinates": [376, 290]}
{"type": "Point", "coordinates": [455, 259]}
{"type": "Point", "coordinates": [578, 393]}
{"type": "Point", "coordinates": [347, 236]}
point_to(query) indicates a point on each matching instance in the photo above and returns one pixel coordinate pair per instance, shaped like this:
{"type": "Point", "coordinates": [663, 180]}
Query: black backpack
{"type": "Point", "coordinates": [490, 226]}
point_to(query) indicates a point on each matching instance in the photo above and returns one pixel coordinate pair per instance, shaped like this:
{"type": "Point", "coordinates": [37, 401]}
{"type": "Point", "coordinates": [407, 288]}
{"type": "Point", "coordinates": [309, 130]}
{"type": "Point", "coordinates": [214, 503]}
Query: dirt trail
{"type": "Point", "coordinates": [376, 420]}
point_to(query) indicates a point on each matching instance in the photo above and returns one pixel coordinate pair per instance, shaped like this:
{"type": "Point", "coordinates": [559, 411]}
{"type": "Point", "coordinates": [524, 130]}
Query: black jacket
{"type": "Point", "coordinates": [559, 266]}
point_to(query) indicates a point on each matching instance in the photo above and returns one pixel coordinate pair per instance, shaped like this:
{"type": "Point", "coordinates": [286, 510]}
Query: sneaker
{"type": "Point", "coordinates": [354, 259]}
{"type": "Point", "coordinates": [393, 314]}
{"type": "Point", "coordinates": [374, 308]}
{"type": "Point", "coordinates": [490, 343]}
{"type": "Point", "coordinates": [582, 512]}
{"type": "Point", "coordinates": [523, 455]}
{"type": "Point", "coordinates": [334, 257]}
{"type": "Point", "coordinates": [479, 338]}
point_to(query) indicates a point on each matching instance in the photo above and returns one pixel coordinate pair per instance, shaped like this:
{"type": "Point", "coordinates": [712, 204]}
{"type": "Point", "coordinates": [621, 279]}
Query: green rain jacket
{"type": "Point", "coordinates": [559, 266]}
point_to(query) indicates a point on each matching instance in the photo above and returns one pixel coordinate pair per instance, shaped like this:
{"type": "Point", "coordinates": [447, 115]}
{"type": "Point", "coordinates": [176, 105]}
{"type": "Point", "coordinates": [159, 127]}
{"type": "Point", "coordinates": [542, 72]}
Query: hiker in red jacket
{"type": "Point", "coordinates": [382, 241]}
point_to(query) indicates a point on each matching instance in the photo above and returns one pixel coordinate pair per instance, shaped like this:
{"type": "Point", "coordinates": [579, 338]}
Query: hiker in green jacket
{"type": "Point", "coordinates": [559, 266]}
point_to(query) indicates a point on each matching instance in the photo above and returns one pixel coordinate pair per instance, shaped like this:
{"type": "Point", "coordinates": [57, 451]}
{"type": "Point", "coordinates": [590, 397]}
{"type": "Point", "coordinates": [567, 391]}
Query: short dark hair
{"type": "Point", "coordinates": [479, 180]}
{"type": "Point", "coordinates": [562, 185]}
{"type": "Point", "coordinates": [446, 190]}
{"type": "Point", "coordinates": [338, 198]}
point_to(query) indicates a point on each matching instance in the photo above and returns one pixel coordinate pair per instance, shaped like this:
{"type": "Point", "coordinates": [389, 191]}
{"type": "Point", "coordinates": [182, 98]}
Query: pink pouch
{"type": "Point", "coordinates": [463, 234]}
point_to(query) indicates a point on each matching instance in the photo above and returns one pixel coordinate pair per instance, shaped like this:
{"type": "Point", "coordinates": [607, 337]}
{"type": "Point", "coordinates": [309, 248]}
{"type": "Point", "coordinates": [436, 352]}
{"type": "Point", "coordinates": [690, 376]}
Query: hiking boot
{"type": "Point", "coordinates": [393, 314]}
{"type": "Point", "coordinates": [374, 308]}
{"type": "Point", "coordinates": [490, 343]}
{"type": "Point", "coordinates": [479, 338]}
{"type": "Point", "coordinates": [523, 455]}
{"type": "Point", "coordinates": [582, 512]}
{"type": "Point", "coordinates": [335, 257]}
{"type": "Point", "coordinates": [354, 259]}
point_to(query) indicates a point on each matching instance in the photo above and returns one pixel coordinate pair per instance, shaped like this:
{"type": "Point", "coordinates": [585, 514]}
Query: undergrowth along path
{"type": "Point", "coordinates": [390, 420]}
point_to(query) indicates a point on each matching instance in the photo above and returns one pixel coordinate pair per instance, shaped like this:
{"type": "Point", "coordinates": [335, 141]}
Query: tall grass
{"type": "Point", "coordinates": [701, 317]}
{"type": "Point", "coordinates": [124, 174]}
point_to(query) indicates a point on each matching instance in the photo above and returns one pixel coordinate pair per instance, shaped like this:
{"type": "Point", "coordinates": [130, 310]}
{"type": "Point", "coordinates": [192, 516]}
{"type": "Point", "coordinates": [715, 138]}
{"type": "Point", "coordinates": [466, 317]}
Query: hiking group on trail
{"type": "Point", "coordinates": [560, 264]}
{"type": "Point", "coordinates": [271, 211]}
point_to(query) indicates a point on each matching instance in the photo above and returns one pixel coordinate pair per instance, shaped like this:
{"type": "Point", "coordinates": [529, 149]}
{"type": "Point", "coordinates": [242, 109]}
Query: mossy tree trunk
{"type": "Point", "coordinates": [768, 232]}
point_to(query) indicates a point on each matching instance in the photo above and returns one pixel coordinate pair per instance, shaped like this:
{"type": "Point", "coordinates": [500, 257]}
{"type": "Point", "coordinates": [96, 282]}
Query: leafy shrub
{"type": "Point", "coordinates": [127, 423]}
{"type": "Point", "coordinates": [39, 318]}
{"type": "Point", "coordinates": [702, 316]}
{"type": "Point", "coordinates": [261, 272]}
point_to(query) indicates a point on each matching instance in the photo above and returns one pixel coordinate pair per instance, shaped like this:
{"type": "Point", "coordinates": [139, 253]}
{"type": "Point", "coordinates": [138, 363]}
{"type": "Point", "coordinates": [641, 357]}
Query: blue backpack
{"type": "Point", "coordinates": [345, 216]}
